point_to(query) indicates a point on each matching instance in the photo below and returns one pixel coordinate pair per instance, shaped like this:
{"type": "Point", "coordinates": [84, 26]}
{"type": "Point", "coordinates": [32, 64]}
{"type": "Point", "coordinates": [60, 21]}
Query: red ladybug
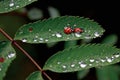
{"type": "Point", "coordinates": [68, 30]}
{"type": "Point", "coordinates": [78, 30]}
{"type": "Point", "coordinates": [1, 59]}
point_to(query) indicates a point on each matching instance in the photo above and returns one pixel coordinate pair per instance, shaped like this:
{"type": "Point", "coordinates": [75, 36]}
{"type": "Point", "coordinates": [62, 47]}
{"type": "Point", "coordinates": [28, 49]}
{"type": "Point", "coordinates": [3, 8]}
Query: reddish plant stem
{"type": "Point", "coordinates": [22, 50]}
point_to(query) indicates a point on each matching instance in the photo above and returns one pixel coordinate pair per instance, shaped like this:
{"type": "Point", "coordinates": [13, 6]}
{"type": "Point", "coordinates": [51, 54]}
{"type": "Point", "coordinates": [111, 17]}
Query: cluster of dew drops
{"type": "Point", "coordinates": [67, 30]}
{"type": "Point", "coordinates": [12, 4]}
{"type": "Point", "coordinates": [10, 55]}
{"type": "Point", "coordinates": [86, 63]}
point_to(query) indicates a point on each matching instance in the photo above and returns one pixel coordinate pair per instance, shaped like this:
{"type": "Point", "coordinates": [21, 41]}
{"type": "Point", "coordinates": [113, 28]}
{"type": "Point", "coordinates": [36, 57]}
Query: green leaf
{"type": "Point", "coordinates": [110, 39]}
{"type": "Point", "coordinates": [107, 73]}
{"type": "Point", "coordinates": [82, 74]}
{"type": "Point", "coordinates": [8, 54]}
{"type": "Point", "coordinates": [70, 43]}
{"type": "Point", "coordinates": [10, 5]}
{"type": "Point", "coordinates": [35, 14]}
{"type": "Point", "coordinates": [53, 12]}
{"type": "Point", "coordinates": [52, 30]}
{"type": "Point", "coordinates": [35, 76]}
{"type": "Point", "coordinates": [83, 57]}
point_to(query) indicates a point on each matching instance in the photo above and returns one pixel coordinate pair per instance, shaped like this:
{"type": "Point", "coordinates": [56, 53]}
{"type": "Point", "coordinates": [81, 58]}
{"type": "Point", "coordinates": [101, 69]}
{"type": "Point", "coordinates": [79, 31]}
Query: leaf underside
{"type": "Point", "coordinates": [83, 57]}
{"type": "Point", "coordinates": [8, 54]}
{"type": "Point", "coordinates": [10, 5]}
{"type": "Point", "coordinates": [35, 76]}
{"type": "Point", "coordinates": [52, 30]}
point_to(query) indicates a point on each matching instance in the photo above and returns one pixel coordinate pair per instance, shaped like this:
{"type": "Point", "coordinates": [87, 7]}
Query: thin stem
{"type": "Point", "coordinates": [22, 50]}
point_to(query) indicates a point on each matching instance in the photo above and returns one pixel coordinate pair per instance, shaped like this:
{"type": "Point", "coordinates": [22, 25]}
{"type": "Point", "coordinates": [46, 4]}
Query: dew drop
{"type": "Point", "coordinates": [88, 37]}
{"type": "Point", "coordinates": [41, 39]}
{"type": "Point", "coordinates": [117, 55]}
{"type": "Point", "coordinates": [77, 34]}
{"type": "Point", "coordinates": [58, 62]}
{"type": "Point", "coordinates": [74, 25]}
{"type": "Point", "coordinates": [96, 34]}
{"type": "Point", "coordinates": [68, 38]}
{"type": "Point", "coordinates": [64, 66]}
{"type": "Point", "coordinates": [92, 60]}
{"type": "Point", "coordinates": [24, 40]}
{"type": "Point", "coordinates": [90, 64]}
{"type": "Point", "coordinates": [35, 40]}
{"type": "Point", "coordinates": [0, 69]}
{"type": "Point", "coordinates": [17, 6]}
{"type": "Point", "coordinates": [109, 59]}
{"type": "Point", "coordinates": [46, 40]}
{"type": "Point", "coordinates": [11, 54]}
{"type": "Point", "coordinates": [49, 30]}
{"type": "Point", "coordinates": [68, 24]}
{"type": "Point", "coordinates": [82, 64]}
{"type": "Point", "coordinates": [58, 35]}
{"type": "Point", "coordinates": [36, 36]}
{"type": "Point", "coordinates": [53, 34]}
{"type": "Point", "coordinates": [51, 66]}
{"type": "Point", "coordinates": [1, 59]}
{"type": "Point", "coordinates": [11, 4]}
{"type": "Point", "coordinates": [97, 61]}
{"type": "Point", "coordinates": [102, 60]}
{"type": "Point", "coordinates": [72, 65]}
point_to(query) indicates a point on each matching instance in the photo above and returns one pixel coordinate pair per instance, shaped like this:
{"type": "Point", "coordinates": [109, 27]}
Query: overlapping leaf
{"type": "Point", "coordinates": [52, 30]}
{"type": "Point", "coordinates": [10, 5]}
{"type": "Point", "coordinates": [35, 76]}
{"type": "Point", "coordinates": [107, 73]}
{"type": "Point", "coordinates": [7, 55]}
{"type": "Point", "coordinates": [83, 57]}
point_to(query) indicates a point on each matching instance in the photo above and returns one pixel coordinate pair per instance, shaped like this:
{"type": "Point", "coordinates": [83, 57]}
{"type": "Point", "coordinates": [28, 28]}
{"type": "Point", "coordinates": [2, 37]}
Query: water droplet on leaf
{"type": "Point", "coordinates": [58, 62]}
{"type": "Point", "coordinates": [72, 65]}
{"type": "Point", "coordinates": [49, 30]}
{"type": "Point", "coordinates": [58, 35]}
{"type": "Point", "coordinates": [35, 40]}
{"type": "Point", "coordinates": [17, 6]}
{"type": "Point", "coordinates": [82, 64]}
{"type": "Point", "coordinates": [90, 64]}
{"type": "Point", "coordinates": [11, 54]}
{"type": "Point", "coordinates": [109, 59]}
{"type": "Point", "coordinates": [64, 66]}
{"type": "Point", "coordinates": [77, 34]}
{"type": "Point", "coordinates": [53, 34]}
{"type": "Point", "coordinates": [96, 34]}
{"type": "Point", "coordinates": [87, 37]}
{"type": "Point", "coordinates": [46, 40]}
{"type": "Point", "coordinates": [24, 40]}
{"type": "Point", "coordinates": [117, 55]}
{"type": "Point", "coordinates": [102, 60]}
{"type": "Point", "coordinates": [11, 4]}
{"type": "Point", "coordinates": [92, 60]}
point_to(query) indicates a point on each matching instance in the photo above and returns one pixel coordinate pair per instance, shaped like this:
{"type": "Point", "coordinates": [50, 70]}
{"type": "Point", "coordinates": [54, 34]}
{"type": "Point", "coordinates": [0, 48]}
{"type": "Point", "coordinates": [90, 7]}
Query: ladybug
{"type": "Point", "coordinates": [68, 30]}
{"type": "Point", "coordinates": [1, 59]}
{"type": "Point", "coordinates": [78, 30]}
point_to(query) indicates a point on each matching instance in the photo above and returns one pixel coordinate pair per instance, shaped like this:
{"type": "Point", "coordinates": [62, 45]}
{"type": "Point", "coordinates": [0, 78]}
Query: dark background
{"type": "Point", "coordinates": [106, 13]}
